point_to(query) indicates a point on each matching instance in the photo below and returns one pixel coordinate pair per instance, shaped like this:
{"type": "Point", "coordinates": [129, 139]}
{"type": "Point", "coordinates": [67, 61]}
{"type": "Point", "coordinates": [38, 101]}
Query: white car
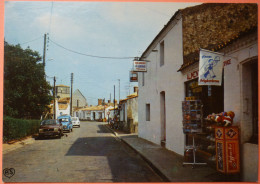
{"type": "Point", "coordinates": [75, 121]}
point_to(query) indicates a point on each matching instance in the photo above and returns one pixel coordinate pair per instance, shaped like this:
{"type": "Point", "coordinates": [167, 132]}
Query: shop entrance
{"type": "Point", "coordinates": [212, 97]}
{"type": "Point", "coordinates": [249, 120]}
{"type": "Point", "coordinates": [163, 118]}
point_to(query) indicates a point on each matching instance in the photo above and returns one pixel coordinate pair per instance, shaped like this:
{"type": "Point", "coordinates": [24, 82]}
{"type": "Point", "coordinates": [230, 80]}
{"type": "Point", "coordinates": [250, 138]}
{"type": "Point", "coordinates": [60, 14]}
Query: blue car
{"type": "Point", "coordinates": [66, 122]}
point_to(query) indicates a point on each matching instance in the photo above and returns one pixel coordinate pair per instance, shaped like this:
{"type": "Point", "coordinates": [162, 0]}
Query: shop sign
{"type": "Point", "coordinates": [133, 76]}
{"type": "Point", "coordinates": [139, 66]}
{"type": "Point", "coordinates": [232, 152]}
{"type": "Point", "coordinates": [193, 75]}
{"type": "Point", "coordinates": [210, 68]}
{"type": "Point", "coordinates": [227, 62]}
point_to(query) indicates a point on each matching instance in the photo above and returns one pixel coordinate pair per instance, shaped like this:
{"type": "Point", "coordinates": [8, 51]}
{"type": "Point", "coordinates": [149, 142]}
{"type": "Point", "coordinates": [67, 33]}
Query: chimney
{"type": "Point", "coordinates": [100, 101]}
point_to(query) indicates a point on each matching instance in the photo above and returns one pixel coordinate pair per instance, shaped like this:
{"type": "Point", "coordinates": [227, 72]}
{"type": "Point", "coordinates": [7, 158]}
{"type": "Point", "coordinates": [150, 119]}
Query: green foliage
{"type": "Point", "coordinates": [26, 91]}
{"type": "Point", "coordinates": [19, 128]}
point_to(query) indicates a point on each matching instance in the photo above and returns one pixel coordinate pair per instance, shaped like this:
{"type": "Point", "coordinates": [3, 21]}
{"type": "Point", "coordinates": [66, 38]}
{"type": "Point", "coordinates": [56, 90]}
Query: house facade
{"type": "Point", "coordinates": [78, 99]}
{"type": "Point", "coordinates": [172, 75]}
{"type": "Point", "coordinates": [129, 113]}
{"type": "Point", "coordinates": [62, 106]}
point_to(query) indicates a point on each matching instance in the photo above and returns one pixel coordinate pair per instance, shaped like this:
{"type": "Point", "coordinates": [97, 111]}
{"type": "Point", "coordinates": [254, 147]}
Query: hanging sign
{"type": "Point", "coordinates": [139, 66]}
{"type": "Point", "coordinates": [133, 76]}
{"type": "Point", "coordinates": [210, 68]}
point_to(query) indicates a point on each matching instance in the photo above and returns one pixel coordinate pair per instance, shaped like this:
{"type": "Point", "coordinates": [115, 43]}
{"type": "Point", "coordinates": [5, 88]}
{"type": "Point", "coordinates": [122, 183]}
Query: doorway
{"type": "Point", "coordinates": [163, 118]}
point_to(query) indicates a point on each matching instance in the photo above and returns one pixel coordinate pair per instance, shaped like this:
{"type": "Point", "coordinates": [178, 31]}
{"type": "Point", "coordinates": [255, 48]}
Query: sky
{"type": "Point", "coordinates": [76, 29]}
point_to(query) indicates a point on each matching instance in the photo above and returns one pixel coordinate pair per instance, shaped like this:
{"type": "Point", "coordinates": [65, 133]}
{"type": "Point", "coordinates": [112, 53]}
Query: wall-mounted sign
{"type": "Point", "coordinates": [210, 68]}
{"type": "Point", "coordinates": [227, 62]}
{"type": "Point", "coordinates": [192, 75]}
{"type": "Point", "coordinates": [139, 66]}
{"type": "Point", "coordinates": [133, 76]}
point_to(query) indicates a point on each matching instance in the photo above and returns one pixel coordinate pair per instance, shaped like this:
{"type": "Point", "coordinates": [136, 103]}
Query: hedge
{"type": "Point", "coordinates": [19, 128]}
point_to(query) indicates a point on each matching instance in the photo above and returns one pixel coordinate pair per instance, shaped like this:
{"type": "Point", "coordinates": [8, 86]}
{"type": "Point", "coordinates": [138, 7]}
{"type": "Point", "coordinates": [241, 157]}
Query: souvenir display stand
{"type": "Point", "coordinates": [192, 125]}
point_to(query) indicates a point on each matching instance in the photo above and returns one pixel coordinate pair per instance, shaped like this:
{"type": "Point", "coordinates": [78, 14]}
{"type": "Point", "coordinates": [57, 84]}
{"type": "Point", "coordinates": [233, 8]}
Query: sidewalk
{"type": "Point", "coordinates": [169, 165]}
{"type": "Point", "coordinates": [17, 144]}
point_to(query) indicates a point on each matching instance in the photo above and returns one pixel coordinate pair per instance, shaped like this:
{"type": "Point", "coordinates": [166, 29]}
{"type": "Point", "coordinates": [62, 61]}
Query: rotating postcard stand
{"type": "Point", "coordinates": [192, 124]}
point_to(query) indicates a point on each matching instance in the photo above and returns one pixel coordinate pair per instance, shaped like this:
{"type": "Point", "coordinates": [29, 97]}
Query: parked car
{"type": "Point", "coordinates": [50, 127]}
{"type": "Point", "coordinates": [75, 121]}
{"type": "Point", "coordinates": [66, 122]}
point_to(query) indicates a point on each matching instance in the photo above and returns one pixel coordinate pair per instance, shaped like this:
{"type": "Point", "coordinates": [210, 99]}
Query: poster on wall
{"type": "Point", "coordinates": [210, 68]}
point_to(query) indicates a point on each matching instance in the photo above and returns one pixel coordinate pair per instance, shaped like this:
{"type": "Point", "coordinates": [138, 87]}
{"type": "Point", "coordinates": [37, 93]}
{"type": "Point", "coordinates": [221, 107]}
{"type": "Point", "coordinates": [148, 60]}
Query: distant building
{"type": "Point", "coordinates": [62, 91]}
{"type": "Point", "coordinates": [62, 106]}
{"type": "Point", "coordinates": [78, 100]}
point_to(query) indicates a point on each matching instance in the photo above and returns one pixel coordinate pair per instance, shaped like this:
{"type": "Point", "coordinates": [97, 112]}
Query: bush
{"type": "Point", "coordinates": [19, 128]}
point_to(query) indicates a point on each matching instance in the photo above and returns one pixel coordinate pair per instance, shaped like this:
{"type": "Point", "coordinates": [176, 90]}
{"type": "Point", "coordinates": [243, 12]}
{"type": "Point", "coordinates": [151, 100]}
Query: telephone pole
{"type": "Point", "coordinates": [114, 101]}
{"type": "Point", "coordinates": [44, 51]}
{"type": "Point", "coordinates": [71, 80]}
{"type": "Point", "coordinates": [54, 95]}
{"type": "Point", "coordinates": [119, 91]}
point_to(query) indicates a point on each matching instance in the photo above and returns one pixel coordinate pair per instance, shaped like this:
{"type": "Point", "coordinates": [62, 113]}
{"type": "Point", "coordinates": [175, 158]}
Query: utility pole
{"type": "Point", "coordinates": [119, 100]}
{"type": "Point", "coordinates": [119, 91]}
{"type": "Point", "coordinates": [54, 95]}
{"type": "Point", "coordinates": [114, 101]}
{"type": "Point", "coordinates": [71, 80]}
{"type": "Point", "coordinates": [44, 51]}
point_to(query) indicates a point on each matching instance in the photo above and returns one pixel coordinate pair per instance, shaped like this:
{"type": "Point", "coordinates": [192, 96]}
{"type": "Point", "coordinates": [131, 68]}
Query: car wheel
{"type": "Point", "coordinates": [71, 129]}
{"type": "Point", "coordinates": [79, 125]}
{"type": "Point", "coordinates": [59, 136]}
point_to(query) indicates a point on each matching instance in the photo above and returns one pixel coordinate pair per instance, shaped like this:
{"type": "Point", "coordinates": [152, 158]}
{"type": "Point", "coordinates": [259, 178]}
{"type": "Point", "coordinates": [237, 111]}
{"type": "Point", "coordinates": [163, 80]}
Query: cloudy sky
{"type": "Point", "coordinates": [106, 29]}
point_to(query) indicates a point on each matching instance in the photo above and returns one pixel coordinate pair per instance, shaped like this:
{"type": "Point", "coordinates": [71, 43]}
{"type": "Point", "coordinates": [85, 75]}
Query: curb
{"type": "Point", "coordinates": [16, 145]}
{"type": "Point", "coordinates": [164, 178]}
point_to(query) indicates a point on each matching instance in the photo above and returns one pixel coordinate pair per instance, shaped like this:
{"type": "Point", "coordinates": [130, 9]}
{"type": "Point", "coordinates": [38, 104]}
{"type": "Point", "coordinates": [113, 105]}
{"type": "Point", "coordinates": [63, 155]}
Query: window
{"type": "Point", "coordinates": [147, 112]}
{"type": "Point", "coordinates": [212, 97]}
{"type": "Point", "coordinates": [162, 53]}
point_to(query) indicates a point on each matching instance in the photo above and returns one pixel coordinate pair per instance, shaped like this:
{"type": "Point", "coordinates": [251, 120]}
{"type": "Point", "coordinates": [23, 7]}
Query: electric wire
{"type": "Point", "coordinates": [32, 40]}
{"type": "Point", "coordinates": [89, 55]}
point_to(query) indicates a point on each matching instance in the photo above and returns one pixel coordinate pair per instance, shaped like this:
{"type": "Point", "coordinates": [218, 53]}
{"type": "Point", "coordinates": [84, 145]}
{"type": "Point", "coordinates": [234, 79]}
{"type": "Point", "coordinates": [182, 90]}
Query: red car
{"type": "Point", "coordinates": [50, 127]}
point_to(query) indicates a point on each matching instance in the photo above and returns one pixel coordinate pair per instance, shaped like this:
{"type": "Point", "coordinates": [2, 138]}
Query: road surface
{"type": "Point", "coordinates": [88, 154]}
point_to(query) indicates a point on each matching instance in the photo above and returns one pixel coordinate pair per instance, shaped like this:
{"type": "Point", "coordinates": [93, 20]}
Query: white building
{"type": "Point", "coordinates": [172, 75]}
{"type": "Point", "coordinates": [78, 99]}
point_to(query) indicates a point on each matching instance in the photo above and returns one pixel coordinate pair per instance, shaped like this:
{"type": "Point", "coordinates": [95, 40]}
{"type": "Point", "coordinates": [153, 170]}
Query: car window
{"type": "Point", "coordinates": [64, 119]}
{"type": "Point", "coordinates": [74, 119]}
{"type": "Point", "coordinates": [49, 122]}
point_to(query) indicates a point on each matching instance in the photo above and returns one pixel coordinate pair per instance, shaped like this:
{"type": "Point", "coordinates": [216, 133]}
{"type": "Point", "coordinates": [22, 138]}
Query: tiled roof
{"type": "Point", "coordinates": [63, 106]}
{"type": "Point", "coordinates": [64, 100]}
{"type": "Point", "coordinates": [213, 26]}
{"type": "Point", "coordinates": [61, 85]}
{"type": "Point", "coordinates": [92, 108]}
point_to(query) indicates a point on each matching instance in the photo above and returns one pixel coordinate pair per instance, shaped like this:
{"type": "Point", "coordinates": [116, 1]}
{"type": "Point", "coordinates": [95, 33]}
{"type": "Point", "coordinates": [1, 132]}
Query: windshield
{"type": "Point", "coordinates": [74, 119]}
{"type": "Point", "coordinates": [64, 119]}
{"type": "Point", "coordinates": [49, 122]}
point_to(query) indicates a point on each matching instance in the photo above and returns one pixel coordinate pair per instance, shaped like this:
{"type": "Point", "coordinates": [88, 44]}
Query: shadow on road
{"type": "Point", "coordinates": [124, 164]}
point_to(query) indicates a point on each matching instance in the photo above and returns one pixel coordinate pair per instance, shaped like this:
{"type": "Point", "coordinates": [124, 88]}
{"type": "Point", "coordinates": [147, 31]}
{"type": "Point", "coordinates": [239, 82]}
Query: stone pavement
{"type": "Point", "coordinates": [169, 165]}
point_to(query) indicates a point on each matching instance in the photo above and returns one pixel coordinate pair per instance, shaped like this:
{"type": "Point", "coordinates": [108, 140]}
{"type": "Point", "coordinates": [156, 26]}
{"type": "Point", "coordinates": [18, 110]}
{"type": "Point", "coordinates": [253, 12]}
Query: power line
{"type": "Point", "coordinates": [104, 57]}
{"type": "Point", "coordinates": [32, 40]}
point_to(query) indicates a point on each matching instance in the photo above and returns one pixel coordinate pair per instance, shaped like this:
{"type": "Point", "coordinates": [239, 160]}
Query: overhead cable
{"type": "Point", "coordinates": [32, 40]}
{"type": "Point", "coordinates": [104, 57]}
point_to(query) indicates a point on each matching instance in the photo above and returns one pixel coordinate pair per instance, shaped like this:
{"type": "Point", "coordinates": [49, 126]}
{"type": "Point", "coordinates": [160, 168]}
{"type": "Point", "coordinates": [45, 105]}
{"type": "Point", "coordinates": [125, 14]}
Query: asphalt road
{"type": "Point", "coordinates": [88, 154]}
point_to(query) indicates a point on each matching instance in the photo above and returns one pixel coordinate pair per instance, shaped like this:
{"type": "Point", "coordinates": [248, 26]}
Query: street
{"type": "Point", "coordinates": [90, 153]}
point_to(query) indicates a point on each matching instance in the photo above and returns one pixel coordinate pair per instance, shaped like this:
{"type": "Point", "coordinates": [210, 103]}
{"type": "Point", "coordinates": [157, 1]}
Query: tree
{"type": "Point", "coordinates": [26, 91]}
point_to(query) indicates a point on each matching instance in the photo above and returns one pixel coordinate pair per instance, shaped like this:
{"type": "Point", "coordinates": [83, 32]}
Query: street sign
{"type": "Point", "coordinates": [139, 66]}
{"type": "Point", "coordinates": [133, 76]}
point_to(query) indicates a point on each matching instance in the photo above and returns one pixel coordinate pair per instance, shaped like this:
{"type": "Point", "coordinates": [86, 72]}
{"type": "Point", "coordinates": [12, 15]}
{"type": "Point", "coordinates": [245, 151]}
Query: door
{"type": "Point", "coordinates": [163, 118]}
